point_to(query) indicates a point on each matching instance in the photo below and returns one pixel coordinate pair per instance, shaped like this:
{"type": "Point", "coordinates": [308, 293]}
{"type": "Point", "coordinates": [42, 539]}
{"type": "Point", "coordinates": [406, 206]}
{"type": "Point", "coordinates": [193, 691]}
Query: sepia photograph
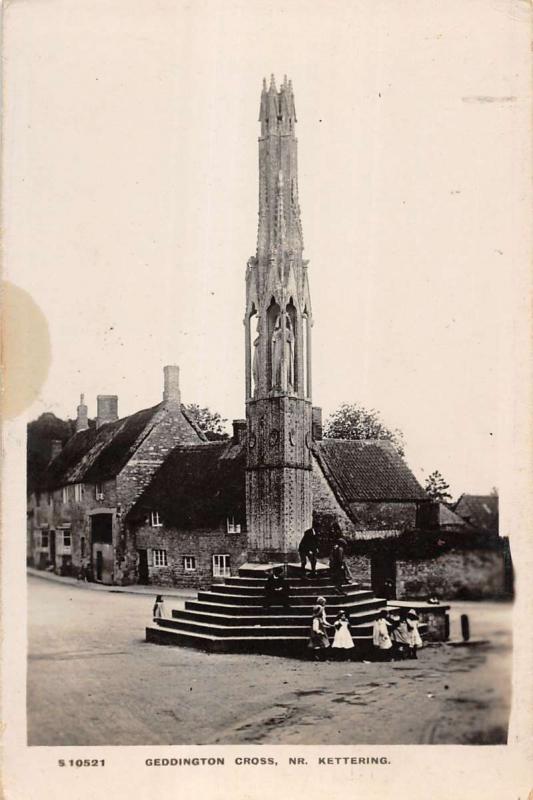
{"type": "Point", "coordinates": [262, 262]}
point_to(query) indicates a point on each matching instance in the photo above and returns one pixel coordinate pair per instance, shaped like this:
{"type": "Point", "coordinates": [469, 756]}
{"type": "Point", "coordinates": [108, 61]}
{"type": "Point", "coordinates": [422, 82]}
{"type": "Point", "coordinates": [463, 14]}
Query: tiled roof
{"type": "Point", "coordinates": [366, 470]}
{"type": "Point", "coordinates": [479, 510]}
{"type": "Point", "coordinates": [449, 519]}
{"type": "Point", "coordinates": [197, 486]}
{"type": "Point", "coordinates": [99, 454]}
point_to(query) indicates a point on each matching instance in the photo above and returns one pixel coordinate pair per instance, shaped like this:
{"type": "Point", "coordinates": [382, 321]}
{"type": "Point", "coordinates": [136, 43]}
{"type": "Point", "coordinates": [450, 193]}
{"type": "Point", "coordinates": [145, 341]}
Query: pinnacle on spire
{"type": "Point", "coordinates": [273, 83]}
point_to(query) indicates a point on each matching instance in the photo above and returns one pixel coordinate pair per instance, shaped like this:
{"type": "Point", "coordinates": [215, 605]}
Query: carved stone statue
{"type": "Point", "coordinates": [283, 354]}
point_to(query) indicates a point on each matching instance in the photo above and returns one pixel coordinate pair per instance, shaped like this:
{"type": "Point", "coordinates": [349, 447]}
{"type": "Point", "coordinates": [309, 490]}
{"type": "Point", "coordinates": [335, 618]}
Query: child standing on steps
{"type": "Point", "coordinates": [318, 640]}
{"type": "Point", "coordinates": [342, 641]}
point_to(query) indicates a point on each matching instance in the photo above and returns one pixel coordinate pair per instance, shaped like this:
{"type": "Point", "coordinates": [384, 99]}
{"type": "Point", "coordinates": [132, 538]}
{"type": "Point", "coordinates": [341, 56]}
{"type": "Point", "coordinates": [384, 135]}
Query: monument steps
{"type": "Point", "coordinates": [230, 616]}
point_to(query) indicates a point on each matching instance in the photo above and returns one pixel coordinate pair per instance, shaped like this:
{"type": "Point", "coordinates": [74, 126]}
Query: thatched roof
{"type": "Point", "coordinates": [198, 486]}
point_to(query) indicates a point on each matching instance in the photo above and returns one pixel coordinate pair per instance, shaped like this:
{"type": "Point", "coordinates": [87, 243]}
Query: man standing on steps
{"type": "Point", "coordinates": [308, 549]}
{"type": "Point", "coordinates": [338, 569]}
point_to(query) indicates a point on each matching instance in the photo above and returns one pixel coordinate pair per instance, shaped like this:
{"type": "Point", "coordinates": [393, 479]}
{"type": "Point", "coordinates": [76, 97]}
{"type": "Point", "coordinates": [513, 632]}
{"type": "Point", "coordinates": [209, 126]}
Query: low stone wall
{"type": "Point", "coordinates": [457, 574]}
{"type": "Point", "coordinates": [360, 569]}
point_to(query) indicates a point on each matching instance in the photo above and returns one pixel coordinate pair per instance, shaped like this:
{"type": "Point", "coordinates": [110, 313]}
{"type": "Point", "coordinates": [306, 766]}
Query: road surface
{"type": "Point", "coordinates": [93, 680]}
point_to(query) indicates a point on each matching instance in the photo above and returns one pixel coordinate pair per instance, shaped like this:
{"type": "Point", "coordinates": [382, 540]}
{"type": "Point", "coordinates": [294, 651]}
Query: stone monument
{"type": "Point", "coordinates": [278, 322]}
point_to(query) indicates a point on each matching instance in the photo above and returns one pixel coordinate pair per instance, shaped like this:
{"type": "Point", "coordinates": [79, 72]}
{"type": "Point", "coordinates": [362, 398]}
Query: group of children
{"type": "Point", "coordinates": [395, 635]}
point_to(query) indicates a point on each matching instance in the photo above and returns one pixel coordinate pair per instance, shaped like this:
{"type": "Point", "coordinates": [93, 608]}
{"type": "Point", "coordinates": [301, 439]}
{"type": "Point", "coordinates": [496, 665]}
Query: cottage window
{"type": "Point", "coordinates": [99, 491]}
{"type": "Point", "coordinates": [159, 558]}
{"type": "Point", "coordinates": [64, 494]}
{"type": "Point", "coordinates": [221, 565]}
{"type": "Point", "coordinates": [67, 541]}
{"type": "Point", "coordinates": [78, 492]}
{"type": "Point", "coordinates": [155, 522]}
{"type": "Point", "coordinates": [189, 563]}
{"type": "Point", "coordinates": [232, 526]}
{"type": "Point", "coordinates": [44, 540]}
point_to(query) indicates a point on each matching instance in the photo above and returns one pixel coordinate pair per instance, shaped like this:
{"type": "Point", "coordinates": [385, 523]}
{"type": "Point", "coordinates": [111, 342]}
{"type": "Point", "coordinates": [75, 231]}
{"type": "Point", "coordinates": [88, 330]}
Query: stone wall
{"type": "Point", "coordinates": [200, 544]}
{"type": "Point", "coordinates": [465, 574]}
{"type": "Point", "coordinates": [387, 516]}
{"type": "Point", "coordinates": [49, 511]}
{"type": "Point", "coordinates": [360, 569]}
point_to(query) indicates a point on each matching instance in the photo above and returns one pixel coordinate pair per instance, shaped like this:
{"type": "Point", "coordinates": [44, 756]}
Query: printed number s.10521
{"type": "Point", "coordinates": [81, 762]}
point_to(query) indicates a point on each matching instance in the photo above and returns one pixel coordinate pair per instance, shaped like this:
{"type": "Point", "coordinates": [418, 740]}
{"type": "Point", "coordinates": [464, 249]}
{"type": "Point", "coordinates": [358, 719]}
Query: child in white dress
{"type": "Point", "coordinates": [415, 640]}
{"type": "Point", "coordinates": [342, 641]}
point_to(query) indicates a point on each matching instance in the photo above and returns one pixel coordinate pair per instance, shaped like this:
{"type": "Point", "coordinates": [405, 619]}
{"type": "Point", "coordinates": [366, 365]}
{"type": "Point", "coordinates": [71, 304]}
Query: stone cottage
{"type": "Point", "coordinates": [76, 513]}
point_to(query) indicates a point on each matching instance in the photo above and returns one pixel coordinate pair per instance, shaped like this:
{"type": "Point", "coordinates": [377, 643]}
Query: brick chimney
{"type": "Point", "coordinates": [171, 391]}
{"type": "Point", "coordinates": [82, 418]}
{"type": "Point", "coordinates": [239, 431]}
{"type": "Point", "coordinates": [107, 409]}
{"type": "Point", "coordinates": [56, 446]}
{"type": "Point", "coordinates": [316, 423]}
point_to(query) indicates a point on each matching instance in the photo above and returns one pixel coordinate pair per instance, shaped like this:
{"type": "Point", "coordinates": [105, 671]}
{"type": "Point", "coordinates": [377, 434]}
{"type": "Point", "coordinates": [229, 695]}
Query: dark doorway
{"type": "Point", "coordinates": [53, 547]}
{"type": "Point", "coordinates": [102, 528]}
{"type": "Point", "coordinates": [143, 567]}
{"type": "Point", "coordinates": [99, 565]}
{"type": "Point", "coordinates": [383, 576]}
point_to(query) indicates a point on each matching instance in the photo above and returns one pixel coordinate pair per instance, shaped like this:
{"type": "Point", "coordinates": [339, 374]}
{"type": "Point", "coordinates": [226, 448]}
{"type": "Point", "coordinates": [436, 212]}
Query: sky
{"type": "Point", "coordinates": [130, 208]}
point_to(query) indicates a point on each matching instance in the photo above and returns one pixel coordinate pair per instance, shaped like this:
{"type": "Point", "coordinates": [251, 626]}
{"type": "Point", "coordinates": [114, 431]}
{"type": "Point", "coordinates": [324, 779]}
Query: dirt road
{"type": "Point", "coordinates": [92, 680]}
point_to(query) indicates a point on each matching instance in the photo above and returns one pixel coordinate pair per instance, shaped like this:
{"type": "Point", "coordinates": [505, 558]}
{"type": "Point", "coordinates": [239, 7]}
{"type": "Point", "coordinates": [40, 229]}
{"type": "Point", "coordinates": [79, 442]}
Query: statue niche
{"type": "Point", "coordinates": [283, 354]}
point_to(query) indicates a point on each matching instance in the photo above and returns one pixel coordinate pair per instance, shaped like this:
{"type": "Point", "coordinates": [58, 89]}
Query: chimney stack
{"type": "Point", "coordinates": [82, 418]}
{"type": "Point", "coordinates": [56, 445]}
{"type": "Point", "coordinates": [171, 391]}
{"type": "Point", "coordinates": [239, 431]}
{"type": "Point", "coordinates": [316, 423]}
{"type": "Point", "coordinates": [107, 409]}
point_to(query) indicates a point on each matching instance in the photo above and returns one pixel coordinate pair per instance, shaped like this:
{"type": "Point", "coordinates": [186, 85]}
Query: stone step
{"type": "Point", "coordinates": [294, 646]}
{"type": "Point", "coordinates": [297, 600]}
{"type": "Point", "coordinates": [266, 620]}
{"type": "Point", "coordinates": [235, 610]}
{"type": "Point", "coordinates": [237, 580]}
{"type": "Point", "coordinates": [267, 645]}
{"type": "Point", "coordinates": [288, 646]}
{"type": "Point", "coordinates": [293, 569]}
{"type": "Point", "coordinates": [294, 589]}
{"type": "Point", "coordinates": [359, 631]}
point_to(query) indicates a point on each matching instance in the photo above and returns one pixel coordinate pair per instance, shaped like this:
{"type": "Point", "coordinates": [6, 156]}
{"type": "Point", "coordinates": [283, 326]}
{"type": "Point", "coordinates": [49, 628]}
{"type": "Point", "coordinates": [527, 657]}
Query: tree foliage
{"type": "Point", "coordinates": [352, 421]}
{"type": "Point", "coordinates": [210, 422]}
{"type": "Point", "coordinates": [40, 433]}
{"type": "Point", "coordinates": [437, 488]}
